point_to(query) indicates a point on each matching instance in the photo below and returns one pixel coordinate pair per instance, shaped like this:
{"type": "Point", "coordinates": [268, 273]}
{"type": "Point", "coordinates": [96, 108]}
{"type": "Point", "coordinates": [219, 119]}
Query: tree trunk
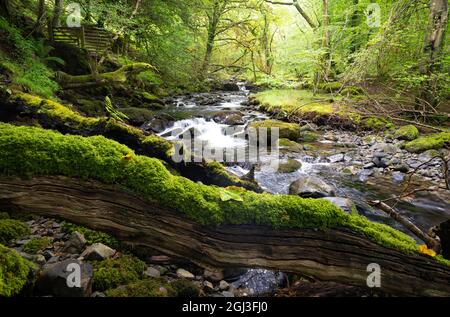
{"type": "Point", "coordinates": [5, 8]}
{"type": "Point", "coordinates": [40, 17]}
{"type": "Point", "coordinates": [329, 255]}
{"type": "Point", "coordinates": [57, 12]}
{"type": "Point", "coordinates": [326, 41]}
{"type": "Point", "coordinates": [213, 20]}
{"type": "Point", "coordinates": [434, 42]}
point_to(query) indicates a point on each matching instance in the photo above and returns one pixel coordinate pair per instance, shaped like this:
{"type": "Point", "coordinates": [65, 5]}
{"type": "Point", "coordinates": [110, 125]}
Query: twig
{"type": "Point", "coordinates": [432, 243]}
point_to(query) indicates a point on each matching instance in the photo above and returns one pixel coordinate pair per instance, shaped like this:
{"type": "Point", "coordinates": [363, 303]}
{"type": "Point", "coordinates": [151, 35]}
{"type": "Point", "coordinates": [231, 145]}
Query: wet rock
{"type": "Point", "coordinates": [401, 168]}
{"type": "Point", "coordinates": [152, 272]}
{"type": "Point", "coordinates": [53, 279]}
{"type": "Point", "coordinates": [290, 166]}
{"type": "Point", "coordinates": [159, 123]}
{"type": "Point", "coordinates": [223, 285]}
{"type": "Point", "coordinates": [213, 276]}
{"type": "Point", "coordinates": [230, 86]}
{"type": "Point", "coordinates": [98, 252]}
{"type": "Point", "coordinates": [336, 158]}
{"type": "Point", "coordinates": [75, 244]}
{"type": "Point", "coordinates": [231, 118]}
{"type": "Point", "coordinates": [398, 177]}
{"type": "Point", "coordinates": [227, 294]}
{"type": "Point", "coordinates": [380, 162]}
{"type": "Point", "coordinates": [182, 273]}
{"type": "Point", "coordinates": [40, 259]}
{"type": "Point", "coordinates": [369, 165]}
{"type": "Point", "coordinates": [427, 156]}
{"type": "Point", "coordinates": [98, 294]}
{"type": "Point", "coordinates": [208, 286]}
{"type": "Point", "coordinates": [48, 254]}
{"type": "Point", "coordinates": [344, 203]}
{"type": "Point", "coordinates": [311, 187]}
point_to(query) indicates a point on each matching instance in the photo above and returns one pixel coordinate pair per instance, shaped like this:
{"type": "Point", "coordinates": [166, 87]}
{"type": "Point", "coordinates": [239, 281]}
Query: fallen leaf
{"type": "Point", "coordinates": [424, 249]}
{"type": "Point", "coordinates": [227, 195]}
{"type": "Point", "coordinates": [127, 157]}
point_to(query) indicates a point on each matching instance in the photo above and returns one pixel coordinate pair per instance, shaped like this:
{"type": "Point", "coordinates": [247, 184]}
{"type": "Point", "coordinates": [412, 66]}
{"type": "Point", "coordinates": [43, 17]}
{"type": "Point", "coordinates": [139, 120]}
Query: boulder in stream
{"type": "Point", "coordinates": [311, 187]}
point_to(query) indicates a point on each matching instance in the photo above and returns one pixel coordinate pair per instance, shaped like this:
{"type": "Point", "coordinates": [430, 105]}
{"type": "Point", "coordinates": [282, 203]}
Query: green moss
{"type": "Point", "coordinates": [300, 102]}
{"type": "Point", "coordinates": [352, 91]}
{"type": "Point", "coordinates": [91, 236]}
{"type": "Point", "coordinates": [149, 287]}
{"type": "Point", "coordinates": [290, 166]}
{"type": "Point", "coordinates": [185, 288]}
{"type": "Point", "coordinates": [331, 87]}
{"type": "Point", "coordinates": [377, 124]}
{"type": "Point", "coordinates": [29, 151]}
{"type": "Point", "coordinates": [290, 145]}
{"type": "Point", "coordinates": [92, 108]}
{"type": "Point", "coordinates": [309, 136]}
{"type": "Point", "coordinates": [111, 273]}
{"type": "Point", "coordinates": [407, 132]}
{"type": "Point", "coordinates": [55, 111]}
{"type": "Point", "coordinates": [289, 131]}
{"type": "Point", "coordinates": [36, 244]}
{"type": "Point", "coordinates": [14, 271]}
{"type": "Point", "coordinates": [159, 145]}
{"type": "Point", "coordinates": [137, 116]}
{"type": "Point", "coordinates": [430, 142]}
{"type": "Point", "coordinates": [12, 229]}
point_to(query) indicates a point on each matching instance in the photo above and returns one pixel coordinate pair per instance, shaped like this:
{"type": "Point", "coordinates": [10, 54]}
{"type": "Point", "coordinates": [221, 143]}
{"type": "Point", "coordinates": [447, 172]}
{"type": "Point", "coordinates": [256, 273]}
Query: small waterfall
{"type": "Point", "coordinates": [213, 134]}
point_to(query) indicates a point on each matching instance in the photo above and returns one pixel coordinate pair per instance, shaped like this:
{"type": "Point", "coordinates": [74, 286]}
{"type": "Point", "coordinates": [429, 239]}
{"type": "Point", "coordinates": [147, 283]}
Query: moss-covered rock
{"type": "Point", "coordinates": [289, 145]}
{"type": "Point", "coordinates": [12, 229]}
{"type": "Point", "coordinates": [185, 288]}
{"type": "Point", "coordinates": [430, 142]}
{"type": "Point", "coordinates": [137, 116]}
{"type": "Point", "coordinates": [14, 271]}
{"type": "Point", "coordinates": [289, 131]}
{"type": "Point", "coordinates": [113, 272]}
{"type": "Point", "coordinates": [308, 136]}
{"type": "Point", "coordinates": [149, 287]}
{"type": "Point", "coordinates": [290, 166]}
{"type": "Point", "coordinates": [36, 244]}
{"type": "Point", "coordinates": [407, 132]}
{"type": "Point", "coordinates": [33, 151]}
{"type": "Point", "coordinates": [377, 124]}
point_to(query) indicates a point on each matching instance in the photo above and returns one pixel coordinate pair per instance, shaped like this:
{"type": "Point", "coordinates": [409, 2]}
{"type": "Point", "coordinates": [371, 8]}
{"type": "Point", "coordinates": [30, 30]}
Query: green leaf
{"type": "Point", "coordinates": [227, 195]}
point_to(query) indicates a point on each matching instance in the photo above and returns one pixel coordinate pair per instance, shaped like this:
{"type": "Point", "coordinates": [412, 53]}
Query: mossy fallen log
{"type": "Point", "coordinates": [102, 184]}
{"type": "Point", "coordinates": [56, 116]}
{"type": "Point", "coordinates": [328, 254]}
{"type": "Point", "coordinates": [119, 76]}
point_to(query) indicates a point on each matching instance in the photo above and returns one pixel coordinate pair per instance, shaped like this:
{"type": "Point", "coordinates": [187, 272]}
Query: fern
{"type": "Point", "coordinates": [112, 112]}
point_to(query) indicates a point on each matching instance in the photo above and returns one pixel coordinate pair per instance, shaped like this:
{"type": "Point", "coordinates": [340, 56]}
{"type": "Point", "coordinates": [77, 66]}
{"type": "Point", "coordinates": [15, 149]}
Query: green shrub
{"type": "Point", "coordinates": [24, 62]}
{"type": "Point", "coordinates": [14, 271]}
{"type": "Point", "coordinates": [12, 229]}
{"type": "Point", "coordinates": [36, 244]}
{"type": "Point", "coordinates": [91, 236]}
{"type": "Point", "coordinates": [185, 288]}
{"type": "Point", "coordinates": [111, 273]}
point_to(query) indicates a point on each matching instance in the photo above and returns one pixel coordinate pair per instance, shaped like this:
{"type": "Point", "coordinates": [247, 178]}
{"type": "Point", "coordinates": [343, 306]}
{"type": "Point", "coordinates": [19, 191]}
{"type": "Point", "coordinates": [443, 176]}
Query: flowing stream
{"type": "Point", "coordinates": [211, 113]}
